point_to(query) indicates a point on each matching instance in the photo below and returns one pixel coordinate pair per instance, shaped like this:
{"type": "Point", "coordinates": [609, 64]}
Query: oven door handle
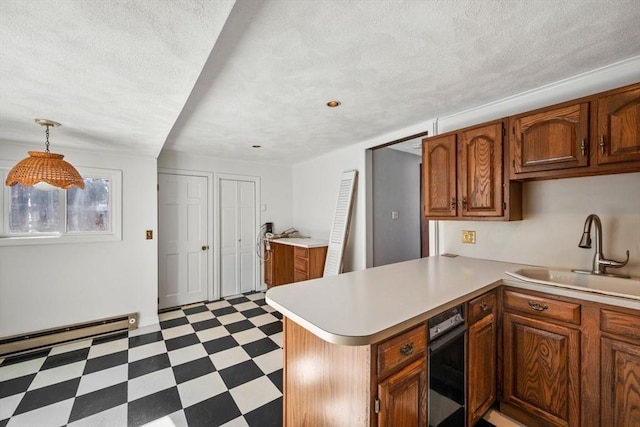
{"type": "Point", "coordinates": [436, 344]}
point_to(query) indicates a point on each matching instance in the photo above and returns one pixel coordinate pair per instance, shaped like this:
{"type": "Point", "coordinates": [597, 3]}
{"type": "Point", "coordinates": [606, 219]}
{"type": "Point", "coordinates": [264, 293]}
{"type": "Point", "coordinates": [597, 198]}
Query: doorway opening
{"type": "Point", "coordinates": [397, 228]}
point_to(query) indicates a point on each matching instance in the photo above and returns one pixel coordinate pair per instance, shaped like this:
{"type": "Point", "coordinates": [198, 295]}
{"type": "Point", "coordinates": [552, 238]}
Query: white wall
{"type": "Point", "coordinates": [50, 285]}
{"type": "Point", "coordinates": [275, 183]}
{"type": "Point", "coordinates": [554, 215]}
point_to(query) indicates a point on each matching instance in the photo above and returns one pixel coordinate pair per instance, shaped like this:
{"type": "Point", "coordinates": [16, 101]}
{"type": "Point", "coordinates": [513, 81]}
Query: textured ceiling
{"type": "Point", "coordinates": [216, 77]}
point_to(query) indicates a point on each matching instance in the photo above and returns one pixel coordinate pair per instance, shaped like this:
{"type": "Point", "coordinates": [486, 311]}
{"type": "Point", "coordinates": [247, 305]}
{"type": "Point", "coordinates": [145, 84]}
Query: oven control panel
{"type": "Point", "coordinates": [445, 321]}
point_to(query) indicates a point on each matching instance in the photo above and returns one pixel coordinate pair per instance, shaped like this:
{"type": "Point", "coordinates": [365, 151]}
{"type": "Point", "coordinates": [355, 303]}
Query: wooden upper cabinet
{"type": "Point", "coordinates": [464, 178]}
{"type": "Point", "coordinates": [551, 139]}
{"type": "Point", "coordinates": [618, 138]}
{"type": "Point", "coordinates": [480, 181]}
{"type": "Point", "coordinates": [439, 163]}
{"type": "Point", "coordinates": [595, 135]}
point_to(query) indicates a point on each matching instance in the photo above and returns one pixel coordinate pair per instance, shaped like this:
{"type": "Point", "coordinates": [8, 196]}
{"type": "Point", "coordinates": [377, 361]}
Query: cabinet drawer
{"type": "Point", "coordinates": [299, 252]}
{"type": "Point", "coordinates": [619, 323]}
{"type": "Point", "coordinates": [299, 276]}
{"type": "Point", "coordinates": [301, 264]}
{"type": "Point", "coordinates": [541, 306]}
{"type": "Point", "coordinates": [399, 350]}
{"type": "Point", "coordinates": [481, 306]}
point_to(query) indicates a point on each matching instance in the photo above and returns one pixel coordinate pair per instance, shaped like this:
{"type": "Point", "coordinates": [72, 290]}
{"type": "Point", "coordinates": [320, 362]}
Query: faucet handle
{"type": "Point", "coordinates": [613, 263]}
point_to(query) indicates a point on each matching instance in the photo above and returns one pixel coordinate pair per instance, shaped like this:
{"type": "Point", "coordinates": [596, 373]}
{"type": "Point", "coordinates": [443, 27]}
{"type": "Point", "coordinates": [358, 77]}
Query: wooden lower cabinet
{"type": "Point", "coordinates": [327, 385]}
{"type": "Point", "coordinates": [560, 362]}
{"type": "Point", "coordinates": [542, 369]}
{"type": "Point", "coordinates": [620, 379]}
{"type": "Point", "coordinates": [481, 356]}
{"type": "Point", "coordinates": [285, 263]}
{"type": "Point", "coordinates": [403, 397]}
{"type": "Point", "coordinates": [278, 264]}
{"type": "Point", "coordinates": [620, 368]}
{"type": "Point", "coordinates": [569, 362]}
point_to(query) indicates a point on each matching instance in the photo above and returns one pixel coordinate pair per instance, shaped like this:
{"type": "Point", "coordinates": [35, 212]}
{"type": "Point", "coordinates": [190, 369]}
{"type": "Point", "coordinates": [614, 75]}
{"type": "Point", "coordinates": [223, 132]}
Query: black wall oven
{"type": "Point", "coordinates": [447, 373]}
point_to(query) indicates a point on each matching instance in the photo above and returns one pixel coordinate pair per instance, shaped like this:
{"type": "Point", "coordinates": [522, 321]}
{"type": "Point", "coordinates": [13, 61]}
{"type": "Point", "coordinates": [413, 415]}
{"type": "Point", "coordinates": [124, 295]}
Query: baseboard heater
{"type": "Point", "coordinates": [49, 337]}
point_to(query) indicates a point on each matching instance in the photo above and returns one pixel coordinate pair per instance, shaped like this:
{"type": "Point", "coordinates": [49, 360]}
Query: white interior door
{"type": "Point", "coordinates": [182, 239]}
{"type": "Point", "coordinates": [237, 229]}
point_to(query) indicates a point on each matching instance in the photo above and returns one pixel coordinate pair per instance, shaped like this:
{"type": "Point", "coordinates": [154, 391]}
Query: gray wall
{"type": "Point", "coordinates": [396, 187]}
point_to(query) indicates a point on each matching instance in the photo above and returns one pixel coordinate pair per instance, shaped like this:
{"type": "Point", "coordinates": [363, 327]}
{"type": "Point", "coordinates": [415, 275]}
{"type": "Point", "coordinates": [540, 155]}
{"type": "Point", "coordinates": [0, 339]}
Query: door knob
{"type": "Point", "coordinates": [204, 248]}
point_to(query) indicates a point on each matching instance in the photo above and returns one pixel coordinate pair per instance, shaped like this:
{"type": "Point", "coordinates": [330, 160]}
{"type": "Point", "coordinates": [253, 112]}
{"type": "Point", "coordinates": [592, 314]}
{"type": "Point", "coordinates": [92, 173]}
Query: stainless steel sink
{"type": "Point", "coordinates": [628, 288]}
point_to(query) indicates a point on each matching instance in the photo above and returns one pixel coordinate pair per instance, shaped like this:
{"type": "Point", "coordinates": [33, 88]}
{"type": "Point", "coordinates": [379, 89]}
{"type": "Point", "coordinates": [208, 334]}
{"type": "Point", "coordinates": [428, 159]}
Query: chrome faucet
{"type": "Point", "coordinates": [600, 263]}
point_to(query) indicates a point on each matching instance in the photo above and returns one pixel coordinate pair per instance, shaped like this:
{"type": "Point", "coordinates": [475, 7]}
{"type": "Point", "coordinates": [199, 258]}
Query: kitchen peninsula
{"type": "Point", "coordinates": [355, 344]}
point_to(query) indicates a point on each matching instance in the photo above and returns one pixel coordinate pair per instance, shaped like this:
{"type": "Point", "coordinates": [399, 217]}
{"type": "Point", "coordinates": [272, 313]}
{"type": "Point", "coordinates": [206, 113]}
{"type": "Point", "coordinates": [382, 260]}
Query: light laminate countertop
{"type": "Point", "coordinates": [367, 306]}
{"type": "Point", "coordinates": [301, 242]}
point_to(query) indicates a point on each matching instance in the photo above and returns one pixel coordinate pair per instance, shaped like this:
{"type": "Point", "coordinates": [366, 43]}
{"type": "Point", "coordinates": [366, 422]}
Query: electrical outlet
{"type": "Point", "coordinates": [395, 214]}
{"type": "Point", "coordinates": [469, 236]}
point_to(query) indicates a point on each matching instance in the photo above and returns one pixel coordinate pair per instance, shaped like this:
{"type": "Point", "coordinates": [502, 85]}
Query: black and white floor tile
{"type": "Point", "coordinates": [215, 364]}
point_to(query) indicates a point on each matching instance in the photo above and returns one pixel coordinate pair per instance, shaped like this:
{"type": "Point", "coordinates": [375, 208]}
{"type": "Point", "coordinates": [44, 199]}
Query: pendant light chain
{"type": "Point", "coordinates": [47, 143]}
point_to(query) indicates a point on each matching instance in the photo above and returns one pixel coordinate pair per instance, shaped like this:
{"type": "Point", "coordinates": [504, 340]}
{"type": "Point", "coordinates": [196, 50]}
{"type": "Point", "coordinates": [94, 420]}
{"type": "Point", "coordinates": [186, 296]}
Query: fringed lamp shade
{"type": "Point", "coordinates": [44, 167]}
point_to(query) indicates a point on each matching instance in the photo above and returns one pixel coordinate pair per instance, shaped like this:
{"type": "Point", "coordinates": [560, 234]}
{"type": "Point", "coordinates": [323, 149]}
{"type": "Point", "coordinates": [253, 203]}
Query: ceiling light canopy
{"type": "Point", "coordinates": [44, 167]}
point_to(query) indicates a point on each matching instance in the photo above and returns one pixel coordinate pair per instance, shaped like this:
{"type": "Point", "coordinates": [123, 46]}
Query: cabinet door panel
{"type": "Point", "coordinates": [439, 160]}
{"type": "Point", "coordinates": [620, 383]}
{"type": "Point", "coordinates": [619, 127]}
{"type": "Point", "coordinates": [481, 367]}
{"type": "Point", "coordinates": [403, 397]}
{"type": "Point", "coordinates": [481, 171]}
{"type": "Point", "coordinates": [552, 139]}
{"type": "Point", "coordinates": [542, 369]}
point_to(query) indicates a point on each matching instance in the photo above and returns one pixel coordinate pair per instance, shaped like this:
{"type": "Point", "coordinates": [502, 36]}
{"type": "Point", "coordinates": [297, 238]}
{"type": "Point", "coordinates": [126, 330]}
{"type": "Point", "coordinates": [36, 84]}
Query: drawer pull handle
{"type": "Point", "coordinates": [537, 306]}
{"type": "Point", "coordinates": [484, 306]}
{"type": "Point", "coordinates": [407, 349]}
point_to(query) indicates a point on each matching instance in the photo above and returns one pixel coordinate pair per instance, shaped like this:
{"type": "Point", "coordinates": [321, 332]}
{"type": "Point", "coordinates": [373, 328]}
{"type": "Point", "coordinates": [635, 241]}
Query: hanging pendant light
{"type": "Point", "coordinates": [46, 167]}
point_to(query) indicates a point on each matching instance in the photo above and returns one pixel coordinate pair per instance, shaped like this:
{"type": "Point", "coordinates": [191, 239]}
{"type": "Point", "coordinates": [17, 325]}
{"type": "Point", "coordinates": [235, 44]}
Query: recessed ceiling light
{"type": "Point", "coordinates": [256, 146]}
{"type": "Point", "coordinates": [333, 104]}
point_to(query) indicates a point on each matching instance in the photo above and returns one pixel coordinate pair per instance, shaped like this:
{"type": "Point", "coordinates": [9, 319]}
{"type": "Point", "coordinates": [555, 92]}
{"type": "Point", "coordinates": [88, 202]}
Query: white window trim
{"type": "Point", "coordinates": [115, 202]}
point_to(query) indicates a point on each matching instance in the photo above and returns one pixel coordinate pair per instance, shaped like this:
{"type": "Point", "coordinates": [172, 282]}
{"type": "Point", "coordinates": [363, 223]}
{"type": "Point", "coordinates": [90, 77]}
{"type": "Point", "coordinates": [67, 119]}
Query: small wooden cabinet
{"type": "Point", "coordinates": [595, 135]}
{"type": "Point", "coordinates": [481, 356]}
{"type": "Point", "coordinates": [542, 358]}
{"type": "Point", "coordinates": [287, 262]}
{"type": "Point", "coordinates": [464, 176]}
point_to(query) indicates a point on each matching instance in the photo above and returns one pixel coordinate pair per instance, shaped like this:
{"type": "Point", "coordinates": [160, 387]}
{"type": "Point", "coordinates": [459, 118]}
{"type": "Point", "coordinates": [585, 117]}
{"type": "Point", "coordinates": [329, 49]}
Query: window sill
{"type": "Point", "coordinates": [57, 240]}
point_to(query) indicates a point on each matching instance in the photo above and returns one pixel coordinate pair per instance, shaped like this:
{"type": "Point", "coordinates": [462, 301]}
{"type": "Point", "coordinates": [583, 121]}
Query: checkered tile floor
{"type": "Point", "coordinates": [209, 364]}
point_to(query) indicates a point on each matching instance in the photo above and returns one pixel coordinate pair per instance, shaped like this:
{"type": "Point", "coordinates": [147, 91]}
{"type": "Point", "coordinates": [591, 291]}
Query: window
{"type": "Point", "coordinates": [50, 215]}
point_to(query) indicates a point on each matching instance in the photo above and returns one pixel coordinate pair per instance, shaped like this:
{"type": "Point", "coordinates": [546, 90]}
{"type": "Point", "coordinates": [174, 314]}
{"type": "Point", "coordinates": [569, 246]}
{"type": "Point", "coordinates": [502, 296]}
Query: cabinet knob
{"type": "Point", "coordinates": [602, 144]}
{"type": "Point", "coordinates": [407, 349]}
{"type": "Point", "coordinates": [484, 306]}
{"type": "Point", "coordinates": [205, 247]}
{"type": "Point", "coordinates": [583, 147]}
{"type": "Point", "coordinates": [453, 203]}
{"type": "Point", "coordinates": [464, 203]}
{"type": "Point", "coordinates": [537, 306]}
